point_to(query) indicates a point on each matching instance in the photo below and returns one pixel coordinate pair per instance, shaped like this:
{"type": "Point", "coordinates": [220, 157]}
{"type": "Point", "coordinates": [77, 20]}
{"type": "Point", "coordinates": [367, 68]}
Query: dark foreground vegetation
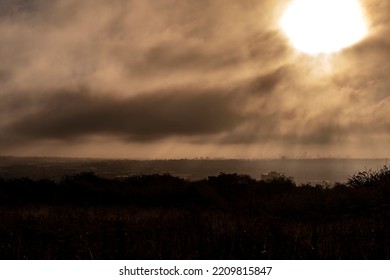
{"type": "Point", "coordinates": [229, 216]}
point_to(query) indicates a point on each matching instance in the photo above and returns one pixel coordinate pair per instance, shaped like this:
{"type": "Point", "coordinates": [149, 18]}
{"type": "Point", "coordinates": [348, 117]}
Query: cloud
{"type": "Point", "coordinates": [73, 115]}
{"type": "Point", "coordinates": [201, 114]}
{"type": "Point", "coordinates": [207, 73]}
{"type": "Point", "coordinates": [18, 8]}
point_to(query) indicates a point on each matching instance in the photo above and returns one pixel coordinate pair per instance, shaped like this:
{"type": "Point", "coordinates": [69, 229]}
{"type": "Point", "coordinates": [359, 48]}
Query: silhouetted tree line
{"type": "Point", "coordinates": [365, 191]}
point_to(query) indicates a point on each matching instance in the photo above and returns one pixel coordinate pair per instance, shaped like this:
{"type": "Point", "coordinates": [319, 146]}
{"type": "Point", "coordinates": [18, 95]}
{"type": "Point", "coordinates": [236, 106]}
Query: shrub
{"type": "Point", "coordinates": [369, 179]}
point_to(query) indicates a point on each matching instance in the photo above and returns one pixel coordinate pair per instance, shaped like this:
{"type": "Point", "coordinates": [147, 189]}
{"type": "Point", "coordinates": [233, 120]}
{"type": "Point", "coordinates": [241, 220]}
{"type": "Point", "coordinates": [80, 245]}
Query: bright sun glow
{"type": "Point", "coordinates": [324, 26]}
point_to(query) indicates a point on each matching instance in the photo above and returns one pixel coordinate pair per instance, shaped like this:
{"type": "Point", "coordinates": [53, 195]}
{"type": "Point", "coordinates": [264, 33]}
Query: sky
{"type": "Point", "coordinates": [183, 79]}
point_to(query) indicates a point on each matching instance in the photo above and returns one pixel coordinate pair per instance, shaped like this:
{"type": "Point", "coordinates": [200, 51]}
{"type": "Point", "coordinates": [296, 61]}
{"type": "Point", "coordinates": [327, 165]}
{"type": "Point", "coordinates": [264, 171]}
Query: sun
{"type": "Point", "coordinates": [324, 26]}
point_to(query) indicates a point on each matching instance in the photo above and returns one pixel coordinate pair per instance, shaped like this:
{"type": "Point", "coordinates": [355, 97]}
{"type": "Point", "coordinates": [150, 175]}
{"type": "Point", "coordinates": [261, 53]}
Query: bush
{"type": "Point", "coordinates": [369, 179]}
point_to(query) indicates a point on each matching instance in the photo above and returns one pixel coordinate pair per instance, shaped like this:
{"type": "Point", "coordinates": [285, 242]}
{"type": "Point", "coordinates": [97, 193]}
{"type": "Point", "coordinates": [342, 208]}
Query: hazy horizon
{"type": "Point", "coordinates": [315, 170]}
{"type": "Point", "coordinates": [330, 157]}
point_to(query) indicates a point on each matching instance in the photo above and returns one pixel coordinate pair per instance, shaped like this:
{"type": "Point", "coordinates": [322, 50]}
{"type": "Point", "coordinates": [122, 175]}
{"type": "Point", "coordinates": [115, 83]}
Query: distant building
{"type": "Point", "coordinates": [271, 175]}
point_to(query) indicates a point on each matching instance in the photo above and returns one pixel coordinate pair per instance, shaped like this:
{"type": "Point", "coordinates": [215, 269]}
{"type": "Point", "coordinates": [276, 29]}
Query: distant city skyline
{"type": "Point", "coordinates": [185, 79]}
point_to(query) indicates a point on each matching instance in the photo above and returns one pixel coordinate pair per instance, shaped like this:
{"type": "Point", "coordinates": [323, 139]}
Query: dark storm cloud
{"type": "Point", "coordinates": [189, 112]}
{"type": "Point", "coordinates": [72, 115]}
